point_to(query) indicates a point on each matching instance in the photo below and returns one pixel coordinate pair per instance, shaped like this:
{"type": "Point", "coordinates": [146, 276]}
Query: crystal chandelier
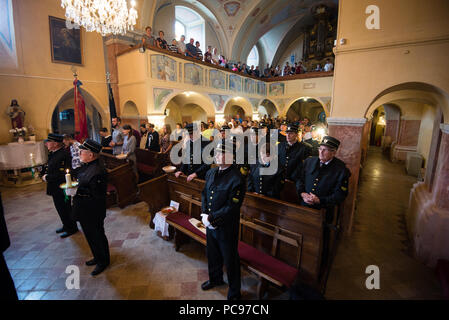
{"type": "Point", "coordinates": [103, 16]}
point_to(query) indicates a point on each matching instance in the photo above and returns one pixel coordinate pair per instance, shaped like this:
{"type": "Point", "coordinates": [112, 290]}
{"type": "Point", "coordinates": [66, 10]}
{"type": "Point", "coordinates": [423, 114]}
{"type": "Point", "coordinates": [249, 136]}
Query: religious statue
{"type": "Point", "coordinates": [16, 114]}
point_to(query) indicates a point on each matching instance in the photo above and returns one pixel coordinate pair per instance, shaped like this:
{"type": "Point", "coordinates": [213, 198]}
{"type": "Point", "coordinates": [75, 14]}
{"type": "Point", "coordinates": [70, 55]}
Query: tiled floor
{"type": "Point", "coordinates": [144, 266]}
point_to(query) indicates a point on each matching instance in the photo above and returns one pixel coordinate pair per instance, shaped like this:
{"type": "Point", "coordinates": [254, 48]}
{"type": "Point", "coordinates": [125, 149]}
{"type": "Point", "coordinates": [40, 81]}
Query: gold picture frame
{"type": "Point", "coordinates": [65, 43]}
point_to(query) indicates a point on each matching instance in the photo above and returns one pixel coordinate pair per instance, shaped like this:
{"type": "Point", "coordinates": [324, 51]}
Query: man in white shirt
{"type": "Point", "coordinates": [328, 66]}
{"type": "Point", "coordinates": [215, 56]}
{"type": "Point", "coordinates": [117, 136]}
{"type": "Point", "coordinates": [182, 45]}
{"type": "Point", "coordinates": [73, 145]}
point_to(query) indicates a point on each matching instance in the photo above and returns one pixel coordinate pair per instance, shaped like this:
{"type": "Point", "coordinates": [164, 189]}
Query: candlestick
{"type": "Point", "coordinates": [68, 179]}
{"type": "Point", "coordinates": [33, 165]}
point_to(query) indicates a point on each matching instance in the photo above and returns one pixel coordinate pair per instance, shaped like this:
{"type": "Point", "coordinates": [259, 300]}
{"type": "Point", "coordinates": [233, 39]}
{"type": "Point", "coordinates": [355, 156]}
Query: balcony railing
{"type": "Point", "coordinates": [308, 75]}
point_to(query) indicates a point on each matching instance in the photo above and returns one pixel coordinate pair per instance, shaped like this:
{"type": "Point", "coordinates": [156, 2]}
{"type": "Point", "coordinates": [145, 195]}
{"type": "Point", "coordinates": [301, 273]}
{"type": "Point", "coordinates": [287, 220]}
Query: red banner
{"type": "Point", "coordinates": [80, 114]}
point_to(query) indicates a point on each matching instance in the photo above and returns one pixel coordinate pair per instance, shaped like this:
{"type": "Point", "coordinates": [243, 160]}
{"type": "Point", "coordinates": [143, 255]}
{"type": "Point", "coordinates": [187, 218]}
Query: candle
{"type": "Point", "coordinates": [68, 179]}
{"type": "Point", "coordinates": [33, 164]}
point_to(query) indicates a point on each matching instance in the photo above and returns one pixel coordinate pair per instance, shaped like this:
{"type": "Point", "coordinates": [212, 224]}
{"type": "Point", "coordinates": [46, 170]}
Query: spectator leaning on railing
{"type": "Point", "coordinates": [328, 66]}
{"type": "Point", "coordinates": [161, 43]}
{"type": "Point", "coordinates": [173, 47]}
{"type": "Point", "coordinates": [199, 53]}
{"type": "Point", "coordinates": [191, 49]}
{"type": "Point", "coordinates": [215, 56]}
{"type": "Point", "coordinates": [182, 45]}
{"type": "Point", "coordinates": [148, 39]}
{"type": "Point", "coordinates": [208, 55]}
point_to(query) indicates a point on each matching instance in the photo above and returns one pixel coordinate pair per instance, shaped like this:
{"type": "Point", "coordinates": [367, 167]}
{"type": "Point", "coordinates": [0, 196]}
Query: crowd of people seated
{"type": "Point", "coordinates": [193, 50]}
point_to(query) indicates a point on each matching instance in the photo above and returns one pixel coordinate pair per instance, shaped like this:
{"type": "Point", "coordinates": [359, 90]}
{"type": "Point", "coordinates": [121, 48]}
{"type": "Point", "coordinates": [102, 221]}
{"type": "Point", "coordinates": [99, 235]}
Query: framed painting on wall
{"type": "Point", "coordinates": [163, 68]}
{"type": "Point", "coordinates": [193, 74]}
{"type": "Point", "coordinates": [65, 43]}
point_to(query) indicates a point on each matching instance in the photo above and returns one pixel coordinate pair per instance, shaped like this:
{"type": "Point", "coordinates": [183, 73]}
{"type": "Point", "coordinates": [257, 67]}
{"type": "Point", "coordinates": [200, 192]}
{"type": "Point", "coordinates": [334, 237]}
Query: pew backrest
{"type": "Point", "coordinates": [124, 181]}
{"type": "Point", "coordinates": [287, 231]}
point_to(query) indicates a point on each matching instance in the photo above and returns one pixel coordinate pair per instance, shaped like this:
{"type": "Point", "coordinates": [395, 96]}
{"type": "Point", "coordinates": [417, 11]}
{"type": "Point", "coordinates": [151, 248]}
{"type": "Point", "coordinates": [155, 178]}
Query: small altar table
{"type": "Point", "coordinates": [14, 157]}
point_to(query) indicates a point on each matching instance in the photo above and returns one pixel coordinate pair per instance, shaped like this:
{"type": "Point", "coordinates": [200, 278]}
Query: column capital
{"type": "Point", "coordinates": [354, 122]}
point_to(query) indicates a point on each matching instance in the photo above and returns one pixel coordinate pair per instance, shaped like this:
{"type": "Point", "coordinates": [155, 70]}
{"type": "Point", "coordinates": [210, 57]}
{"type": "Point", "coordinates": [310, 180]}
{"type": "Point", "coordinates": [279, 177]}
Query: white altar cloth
{"type": "Point", "coordinates": [18, 155]}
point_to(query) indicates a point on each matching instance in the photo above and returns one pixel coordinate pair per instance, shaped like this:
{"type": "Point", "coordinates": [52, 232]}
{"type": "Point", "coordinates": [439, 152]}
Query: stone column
{"type": "Point", "coordinates": [350, 133]}
{"type": "Point", "coordinates": [428, 212]}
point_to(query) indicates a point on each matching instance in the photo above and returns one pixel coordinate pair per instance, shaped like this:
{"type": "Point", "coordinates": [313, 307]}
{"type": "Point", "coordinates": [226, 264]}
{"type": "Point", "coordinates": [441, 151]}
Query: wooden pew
{"type": "Point", "coordinates": [150, 163]}
{"type": "Point", "coordinates": [122, 182]}
{"type": "Point", "coordinates": [289, 194]}
{"type": "Point", "coordinates": [275, 234]}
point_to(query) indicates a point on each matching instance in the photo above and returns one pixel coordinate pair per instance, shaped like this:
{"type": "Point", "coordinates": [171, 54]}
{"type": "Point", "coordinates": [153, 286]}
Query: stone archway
{"type": "Point", "coordinates": [240, 106]}
{"type": "Point", "coordinates": [62, 117]}
{"type": "Point", "coordinates": [130, 115]}
{"type": "Point", "coordinates": [306, 107]}
{"type": "Point", "coordinates": [428, 209]}
{"type": "Point", "coordinates": [187, 107]}
{"type": "Point", "coordinates": [267, 107]}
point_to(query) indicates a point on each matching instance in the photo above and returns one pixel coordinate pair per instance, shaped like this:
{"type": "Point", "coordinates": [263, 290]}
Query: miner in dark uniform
{"type": "Point", "coordinates": [221, 199]}
{"type": "Point", "coordinates": [266, 184]}
{"type": "Point", "coordinates": [292, 153]}
{"type": "Point", "coordinates": [89, 204]}
{"type": "Point", "coordinates": [59, 161]}
{"type": "Point", "coordinates": [323, 182]}
{"type": "Point", "coordinates": [313, 142]}
{"type": "Point", "coordinates": [193, 148]}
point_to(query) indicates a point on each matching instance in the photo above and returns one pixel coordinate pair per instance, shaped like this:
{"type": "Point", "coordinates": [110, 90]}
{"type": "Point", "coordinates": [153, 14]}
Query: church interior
{"type": "Point", "coordinates": [372, 74]}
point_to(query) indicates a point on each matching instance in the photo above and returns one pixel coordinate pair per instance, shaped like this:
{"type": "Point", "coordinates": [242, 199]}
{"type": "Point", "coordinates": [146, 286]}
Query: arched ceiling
{"type": "Point", "coordinates": [241, 24]}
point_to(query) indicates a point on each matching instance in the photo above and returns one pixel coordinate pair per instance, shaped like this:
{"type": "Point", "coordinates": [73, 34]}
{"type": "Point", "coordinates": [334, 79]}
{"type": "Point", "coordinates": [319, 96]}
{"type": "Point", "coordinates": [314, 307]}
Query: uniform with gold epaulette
{"type": "Point", "coordinates": [222, 198]}
{"type": "Point", "coordinates": [329, 182]}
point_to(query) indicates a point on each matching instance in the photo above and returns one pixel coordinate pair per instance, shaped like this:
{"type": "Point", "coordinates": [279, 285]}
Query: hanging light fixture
{"type": "Point", "coordinates": [102, 16]}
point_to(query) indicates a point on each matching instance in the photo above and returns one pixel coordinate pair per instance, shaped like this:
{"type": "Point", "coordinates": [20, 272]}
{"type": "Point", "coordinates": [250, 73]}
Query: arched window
{"type": "Point", "coordinates": [190, 24]}
{"type": "Point", "coordinates": [253, 58]}
{"type": "Point", "coordinates": [180, 29]}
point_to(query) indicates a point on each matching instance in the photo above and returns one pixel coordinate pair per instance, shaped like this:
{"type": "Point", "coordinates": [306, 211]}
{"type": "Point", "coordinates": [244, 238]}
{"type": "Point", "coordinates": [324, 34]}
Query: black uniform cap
{"type": "Point", "coordinates": [55, 137]}
{"type": "Point", "coordinates": [330, 142]}
{"type": "Point", "coordinates": [292, 128]}
{"type": "Point", "coordinates": [91, 145]}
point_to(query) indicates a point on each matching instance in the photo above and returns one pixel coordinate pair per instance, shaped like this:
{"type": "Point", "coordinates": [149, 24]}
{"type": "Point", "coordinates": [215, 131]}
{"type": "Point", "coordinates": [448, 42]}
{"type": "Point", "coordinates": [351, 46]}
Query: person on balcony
{"type": "Point", "coordinates": [215, 57]}
{"type": "Point", "coordinates": [328, 66]}
{"type": "Point", "coordinates": [182, 45]}
{"type": "Point", "coordinates": [148, 39]}
{"type": "Point", "coordinates": [173, 47]}
{"type": "Point", "coordinates": [161, 43]}
{"type": "Point", "coordinates": [199, 53]}
{"type": "Point", "coordinates": [191, 49]}
{"type": "Point", "coordinates": [208, 55]}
